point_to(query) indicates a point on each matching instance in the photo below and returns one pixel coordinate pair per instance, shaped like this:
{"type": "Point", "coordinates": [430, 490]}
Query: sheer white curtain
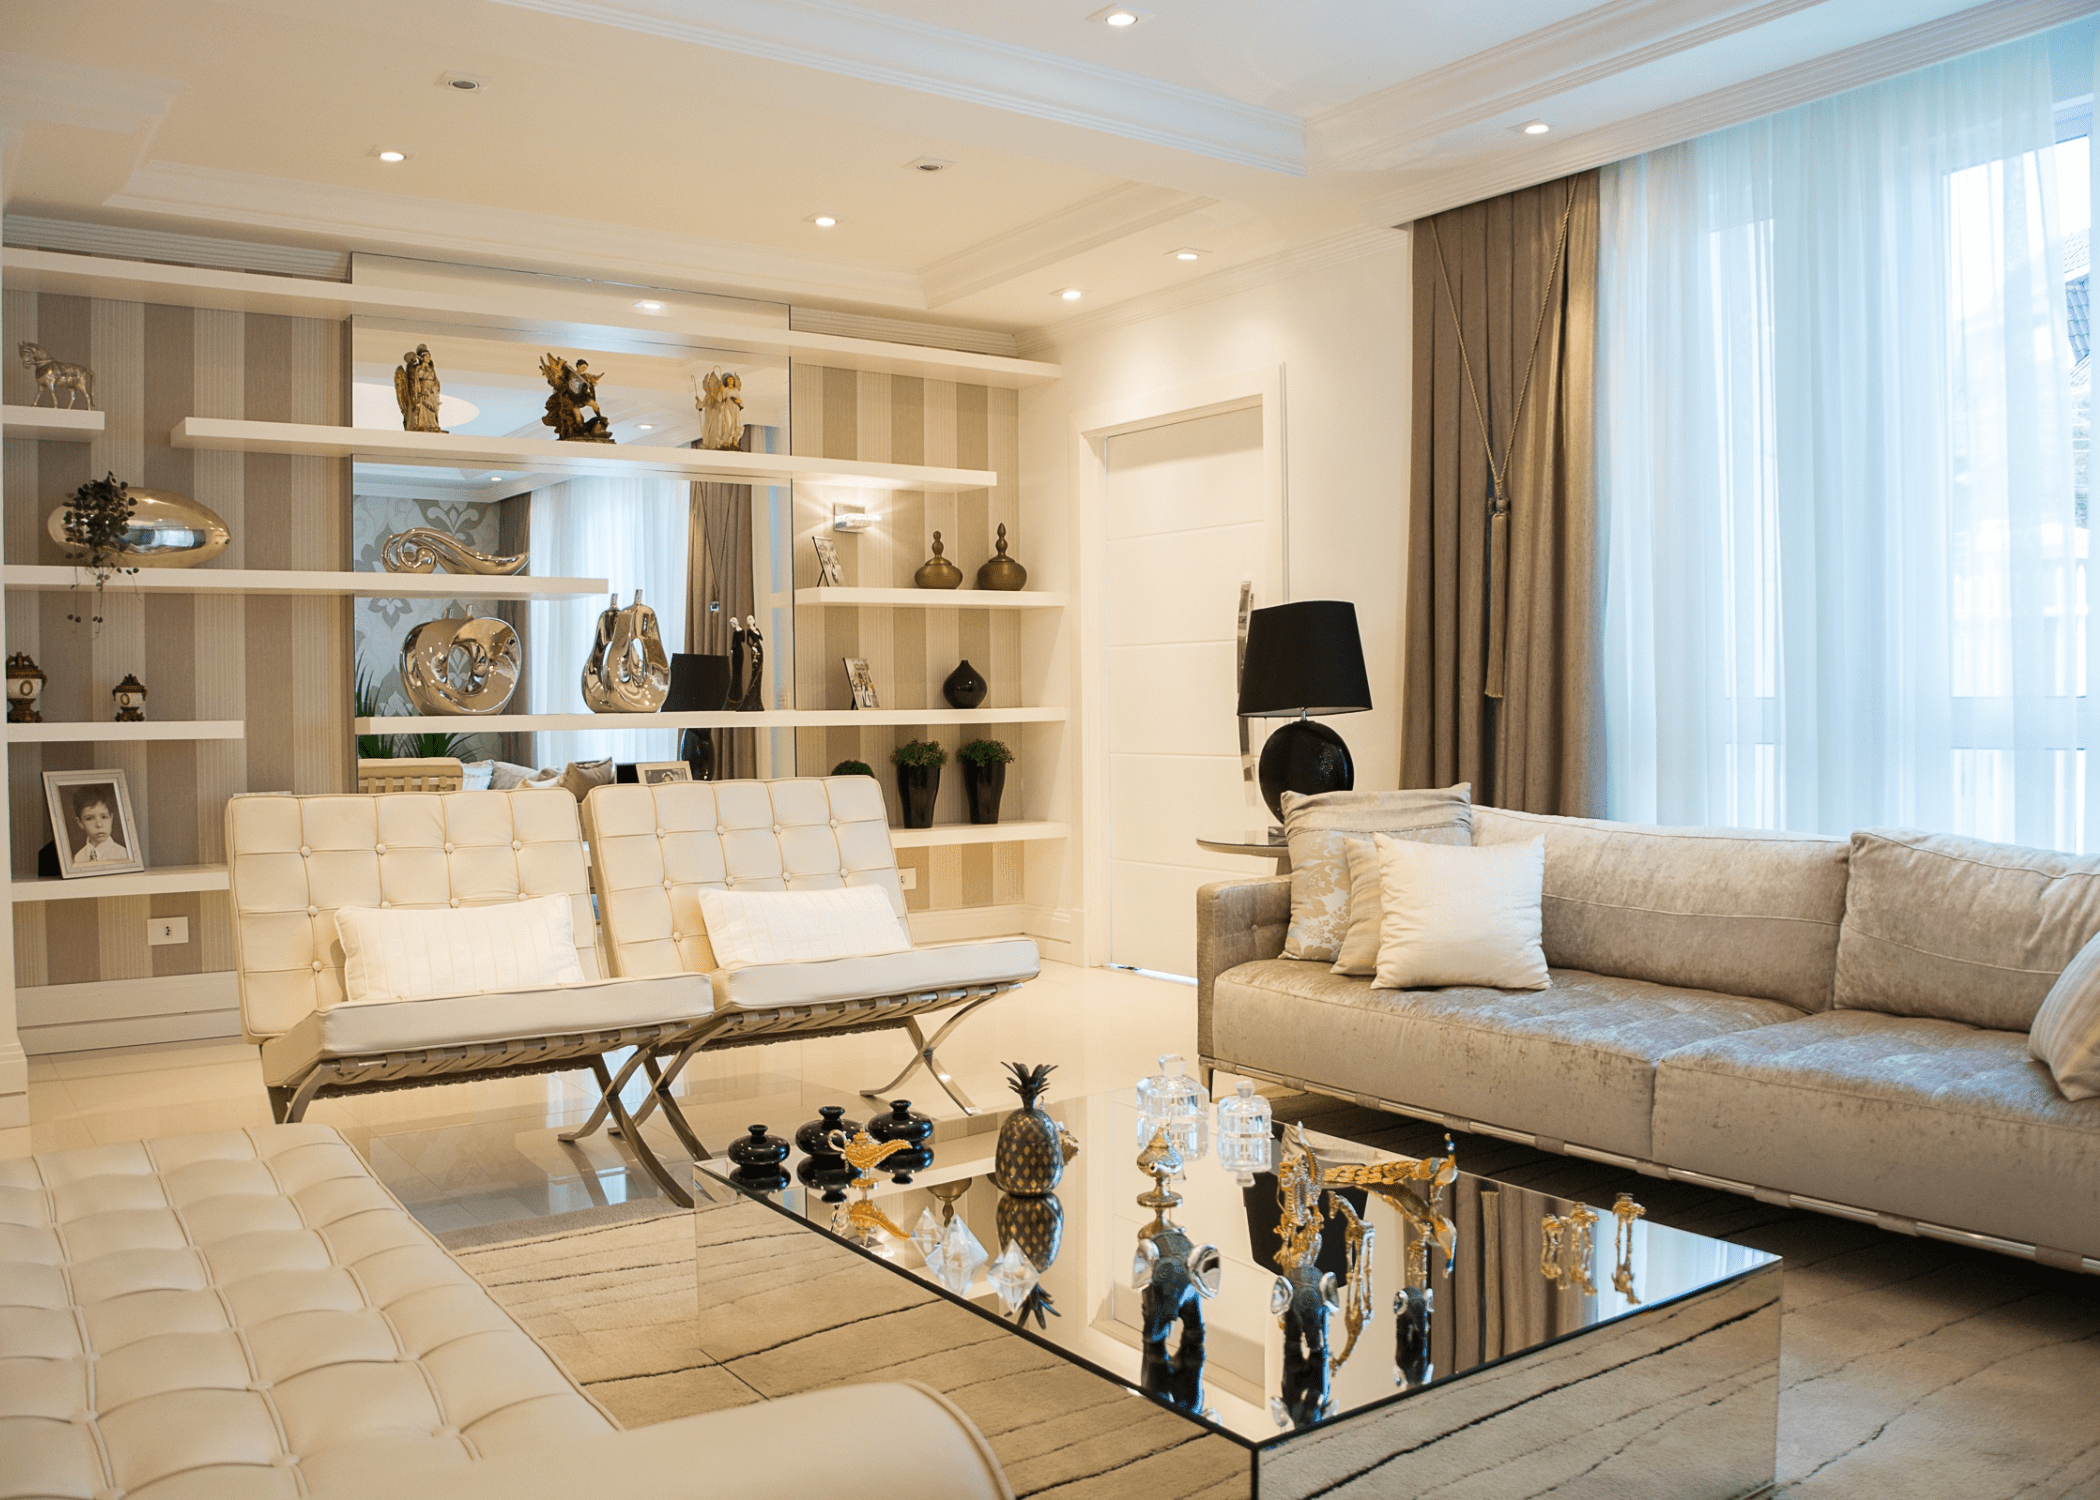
{"type": "Point", "coordinates": [1845, 562]}
{"type": "Point", "coordinates": [632, 533]}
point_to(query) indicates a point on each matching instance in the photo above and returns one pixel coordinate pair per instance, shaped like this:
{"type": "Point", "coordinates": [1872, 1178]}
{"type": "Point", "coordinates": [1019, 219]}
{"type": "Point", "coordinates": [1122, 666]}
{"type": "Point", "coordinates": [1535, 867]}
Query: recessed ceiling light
{"type": "Point", "coordinates": [646, 427]}
{"type": "Point", "coordinates": [823, 221]}
{"type": "Point", "coordinates": [928, 164]}
{"type": "Point", "coordinates": [1121, 17]}
{"type": "Point", "coordinates": [649, 307]}
{"type": "Point", "coordinates": [1187, 253]}
{"type": "Point", "coordinates": [388, 153]}
{"type": "Point", "coordinates": [495, 479]}
{"type": "Point", "coordinates": [1069, 294]}
{"type": "Point", "coordinates": [1534, 127]}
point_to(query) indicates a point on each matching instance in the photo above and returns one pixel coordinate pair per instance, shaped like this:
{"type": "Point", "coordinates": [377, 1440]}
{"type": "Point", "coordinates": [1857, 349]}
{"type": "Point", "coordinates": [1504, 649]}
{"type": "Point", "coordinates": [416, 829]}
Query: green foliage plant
{"type": "Point", "coordinates": [853, 768]}
{"type": "Point", "coordinates": [983, 753]}
{"type": "Point", "coordinates": [919, 753]}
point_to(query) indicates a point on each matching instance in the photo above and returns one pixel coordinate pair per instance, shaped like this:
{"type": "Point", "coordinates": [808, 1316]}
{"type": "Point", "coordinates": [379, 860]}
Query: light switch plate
{"type": "Point", "coordinates": [161, 931]}
{"type": "Point", "coordinates": [908, 877]}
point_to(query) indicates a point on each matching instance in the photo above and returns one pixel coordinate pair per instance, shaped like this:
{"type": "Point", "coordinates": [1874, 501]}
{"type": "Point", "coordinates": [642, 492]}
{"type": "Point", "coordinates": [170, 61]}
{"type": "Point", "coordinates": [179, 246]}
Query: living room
{"type": "Point", "coordinates": [1357, 760]}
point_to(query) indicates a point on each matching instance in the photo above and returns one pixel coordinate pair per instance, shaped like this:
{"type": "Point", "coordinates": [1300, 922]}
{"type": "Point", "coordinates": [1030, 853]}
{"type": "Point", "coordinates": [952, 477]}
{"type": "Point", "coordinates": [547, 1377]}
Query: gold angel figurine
{"type": "Point", "coordinates": [721, 403]}
{"type": "Point", "coordinates": [417, 391]}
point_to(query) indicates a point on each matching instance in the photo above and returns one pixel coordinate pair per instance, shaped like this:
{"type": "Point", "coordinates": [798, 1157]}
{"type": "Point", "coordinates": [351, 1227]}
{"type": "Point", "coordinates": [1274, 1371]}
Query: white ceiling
{"type": "Point", "coordinates": [687, 143]}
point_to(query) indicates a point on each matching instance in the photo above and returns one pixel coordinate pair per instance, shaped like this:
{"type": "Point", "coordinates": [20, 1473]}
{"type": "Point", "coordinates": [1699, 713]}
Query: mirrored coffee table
{"type": "Point", "coordinates": [1564, 1350]}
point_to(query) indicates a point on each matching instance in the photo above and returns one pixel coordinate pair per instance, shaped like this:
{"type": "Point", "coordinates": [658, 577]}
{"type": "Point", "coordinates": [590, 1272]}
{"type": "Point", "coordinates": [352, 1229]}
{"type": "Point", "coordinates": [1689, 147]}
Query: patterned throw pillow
{"type": "Point", "coordinates": [1317, 826]}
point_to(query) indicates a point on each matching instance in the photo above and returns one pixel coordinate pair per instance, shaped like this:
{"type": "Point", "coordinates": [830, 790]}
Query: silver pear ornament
{"type": "Point", "coordinates": [628, 672]}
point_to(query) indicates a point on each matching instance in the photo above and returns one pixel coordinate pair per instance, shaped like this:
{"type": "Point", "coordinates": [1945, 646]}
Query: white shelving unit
{"type": "Point", "coordinates": [163, 881]}
{"type": "Point", "coordinates": [62, 424]}
{"type": "Point", "coordinates": [268, 581]}
{"type": "Point", "coordinates": [847, 598]}
{"type": "Point", "coordinates": [772, 718]}
{"type": "Point", "coordinates": [975, 833]}
{"type": "Point", "coordinates": [91, 732]}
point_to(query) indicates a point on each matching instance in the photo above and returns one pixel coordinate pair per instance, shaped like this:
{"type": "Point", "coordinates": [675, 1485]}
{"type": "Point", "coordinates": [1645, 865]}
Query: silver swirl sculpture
{"type": "Point", "coordinates": [460, 665]}
{"type": "Point", "coordinates": [628, 672]}
{"type": "Point", "coordinates": [421, 548]}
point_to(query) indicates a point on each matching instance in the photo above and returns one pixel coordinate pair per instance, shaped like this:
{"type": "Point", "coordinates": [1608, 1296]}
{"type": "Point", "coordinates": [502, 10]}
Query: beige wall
{"type": "Point", "coordinates": [279, 663]}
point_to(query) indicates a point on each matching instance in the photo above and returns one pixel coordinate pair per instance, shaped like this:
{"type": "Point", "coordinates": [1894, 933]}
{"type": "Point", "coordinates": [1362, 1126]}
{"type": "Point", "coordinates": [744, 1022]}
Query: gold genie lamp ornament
{"type": "Point", "coordinates": [863, 1217]}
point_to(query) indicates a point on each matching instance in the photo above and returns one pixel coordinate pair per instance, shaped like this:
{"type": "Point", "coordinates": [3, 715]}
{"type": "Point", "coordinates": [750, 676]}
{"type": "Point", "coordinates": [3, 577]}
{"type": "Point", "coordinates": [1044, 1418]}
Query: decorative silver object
{"type": "Point", "coordinates": [460, 665]}
{"type": "Point", "coordinates": [628, 672]}
{"type": "Point", "coordinates": [417, 392]}
{"type": "Point", "coordinates": [421, 548]}
{"type": "Point", "coordinates": [166, 530]}
{"type": "Point", "coordinates": [55, 375]}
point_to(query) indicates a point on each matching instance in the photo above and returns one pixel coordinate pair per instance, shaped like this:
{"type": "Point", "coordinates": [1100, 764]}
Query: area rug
{"type": "Point", "coordinates": [1909, 1368]}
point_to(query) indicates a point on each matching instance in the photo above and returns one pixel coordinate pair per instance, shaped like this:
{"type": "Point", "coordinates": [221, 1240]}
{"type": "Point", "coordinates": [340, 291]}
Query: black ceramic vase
{"type": "Point", "coordinates": [965, 687]}
{"type": "Point", "coordinates": [814, 1138]}
{"type": "Point", "coordinates": [901, 1124]}
{"type": "Point", "coordinates": [758, 1157]}
{"type": "Point", "coordinates": [917, 787]}
{"type": "Point", "coordinates": [983, 786]}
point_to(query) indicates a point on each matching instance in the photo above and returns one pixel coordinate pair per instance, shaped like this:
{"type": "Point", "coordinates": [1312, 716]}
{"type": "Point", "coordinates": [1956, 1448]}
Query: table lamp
{"type": "Point", "coordinates": [1303, 659]}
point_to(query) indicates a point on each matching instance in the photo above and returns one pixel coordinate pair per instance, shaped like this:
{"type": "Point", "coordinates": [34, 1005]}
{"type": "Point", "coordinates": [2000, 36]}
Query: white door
{"type": "Point", "coordinates": [1187, 522]}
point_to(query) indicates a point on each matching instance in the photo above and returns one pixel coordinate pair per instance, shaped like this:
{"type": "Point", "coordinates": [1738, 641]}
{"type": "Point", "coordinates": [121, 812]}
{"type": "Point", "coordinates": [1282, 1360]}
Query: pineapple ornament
{"type": "Point", "coordinates": [1033, 1148]}
{"type": "Point", "coordinates": [1035, 1222]}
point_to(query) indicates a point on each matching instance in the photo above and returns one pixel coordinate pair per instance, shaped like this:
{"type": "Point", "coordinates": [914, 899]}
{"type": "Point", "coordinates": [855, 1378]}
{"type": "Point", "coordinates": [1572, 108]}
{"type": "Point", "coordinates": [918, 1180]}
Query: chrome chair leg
{"type": "Point", "coordinates": [926, 1055]}
{"type": "Point", "coordinates": [609, 1096]}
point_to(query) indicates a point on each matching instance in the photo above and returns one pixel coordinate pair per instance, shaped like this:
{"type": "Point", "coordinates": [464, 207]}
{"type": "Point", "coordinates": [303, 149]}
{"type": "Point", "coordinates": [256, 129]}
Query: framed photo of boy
{"type": "Point", "coordinates": [91, 823]}
{"type": "Point", "coordinates": [829, 574]}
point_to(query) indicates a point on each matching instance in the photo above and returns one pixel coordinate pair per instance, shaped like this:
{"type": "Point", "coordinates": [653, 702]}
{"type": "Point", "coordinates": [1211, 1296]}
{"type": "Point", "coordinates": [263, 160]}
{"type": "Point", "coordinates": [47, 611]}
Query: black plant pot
{"type": "Point", "coordinates": [917, 786]}
{"type": "Point", "coordinates": [984, 785]}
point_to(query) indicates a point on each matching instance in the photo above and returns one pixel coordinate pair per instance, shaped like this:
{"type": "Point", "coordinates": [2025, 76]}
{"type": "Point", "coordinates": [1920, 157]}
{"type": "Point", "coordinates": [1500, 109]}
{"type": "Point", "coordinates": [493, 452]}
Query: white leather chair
{"type": "Point", "coordinates": [296, 860]}
{"type": "Point", "coordinates": [655, 848]}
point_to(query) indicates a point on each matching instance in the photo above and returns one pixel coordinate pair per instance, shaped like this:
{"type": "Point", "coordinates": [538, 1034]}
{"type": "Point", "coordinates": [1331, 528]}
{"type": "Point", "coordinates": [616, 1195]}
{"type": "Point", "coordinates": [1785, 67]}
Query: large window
{"type": "Point", "coordinates": [1844, 386]}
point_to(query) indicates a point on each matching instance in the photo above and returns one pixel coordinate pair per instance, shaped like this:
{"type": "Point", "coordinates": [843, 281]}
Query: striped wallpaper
{"type": "Point", "coordinates": [910, 652]}
{"type": "Point", "coordinates": [278, 663]}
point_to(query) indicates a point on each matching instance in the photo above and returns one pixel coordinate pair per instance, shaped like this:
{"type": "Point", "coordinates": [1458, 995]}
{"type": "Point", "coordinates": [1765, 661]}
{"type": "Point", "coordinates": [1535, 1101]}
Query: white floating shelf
{"type": "Point", "coordinates": [975, 833]}
{"type": "Point", "coordinates": [84, 732]}
{"type": "Point", "coordinates": [774, 718]}
{"type": "Point", "coordinates": [458, 450]}
{"type": "Point", "coordinates": [558, 314]}
{"type": "Point", "coordinates": [932, 598]}
{"type": "Point", "coordinates": [161, 882]}
{"type": "Point", "coordinates": [267, 581]}
{"type": "Point", "coordinates": [60, 424]}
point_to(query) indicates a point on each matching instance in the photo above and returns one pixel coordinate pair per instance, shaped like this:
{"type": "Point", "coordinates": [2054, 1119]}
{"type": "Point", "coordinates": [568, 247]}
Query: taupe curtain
{"type": "Point", "coordinates": [1503, 669]}
{"type": "Point", "coordinates": [719, 589]}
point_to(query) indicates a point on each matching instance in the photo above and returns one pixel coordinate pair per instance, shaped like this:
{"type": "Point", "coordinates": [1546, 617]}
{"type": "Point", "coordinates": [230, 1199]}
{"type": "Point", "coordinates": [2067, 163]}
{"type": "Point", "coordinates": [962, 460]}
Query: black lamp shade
{"type": "Point", "coordinates": [1304, 658]}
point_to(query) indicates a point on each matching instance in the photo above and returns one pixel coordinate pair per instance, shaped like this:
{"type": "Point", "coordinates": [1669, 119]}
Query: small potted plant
{"type": "Point", "coordinates": [918, 764]}
{"type": "Point", "coordinates": [853, 768]}
{"type": "Point", "coordinates": [984, 764]}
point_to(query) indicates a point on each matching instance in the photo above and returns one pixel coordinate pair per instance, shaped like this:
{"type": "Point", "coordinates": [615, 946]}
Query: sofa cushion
{"type": "Point", "coordinates": [1961, 929]}
{"type": "Point", "coordinates": [1926, 1119]}
{"type": "Point", "coordinates": [1575, 1062]}
{"type": "Point", "coordinates": [920, 971]}
{"type": "Point", "coordinates": [412, 953]}
{"type": "Point", "coordinates": [245, 1313]}
{"type": "Point", "coordinates": [456, 1020]}
{"type": "Point", "coordinates": [2066, 1031]}
{"type": "Point", "coordinates": [1319, 825]}
{"type": "Point", "coordinates": [1729, 910]}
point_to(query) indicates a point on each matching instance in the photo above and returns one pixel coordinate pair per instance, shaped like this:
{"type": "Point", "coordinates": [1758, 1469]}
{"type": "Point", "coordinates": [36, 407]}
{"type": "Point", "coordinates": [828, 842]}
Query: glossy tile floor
{"type": "Point", "coordinates": [470, 1154]}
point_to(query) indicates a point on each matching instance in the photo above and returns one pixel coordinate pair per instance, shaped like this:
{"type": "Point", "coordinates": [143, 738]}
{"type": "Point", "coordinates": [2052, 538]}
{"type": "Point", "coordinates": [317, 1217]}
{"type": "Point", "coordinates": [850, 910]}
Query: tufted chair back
{"type": "Point", "coordinates": [295, 860]}
{"type": "Point", "coordinates": [655, 848]}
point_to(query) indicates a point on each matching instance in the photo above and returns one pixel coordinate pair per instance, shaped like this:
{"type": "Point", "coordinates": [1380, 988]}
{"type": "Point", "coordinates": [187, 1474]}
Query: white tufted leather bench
{"type": "Point", "coordinates": [248, 1315]}
{"type": "Point", "coordinates": [655, 848]}
{"type": "Point", "coordinates": [296, 860]}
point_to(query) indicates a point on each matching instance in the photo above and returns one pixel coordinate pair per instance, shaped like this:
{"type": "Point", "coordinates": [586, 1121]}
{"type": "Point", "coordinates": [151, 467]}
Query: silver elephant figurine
{"type": "Point", "coordinates": [628, 672]}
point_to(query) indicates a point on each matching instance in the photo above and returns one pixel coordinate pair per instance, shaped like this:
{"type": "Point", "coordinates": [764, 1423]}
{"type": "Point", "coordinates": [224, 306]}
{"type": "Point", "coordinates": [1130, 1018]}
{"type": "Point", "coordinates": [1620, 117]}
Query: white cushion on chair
{"type": "Point", "coordinates": [919, 971]}
{"type": "Point", "coordinates": [458, 1020]}
{"type": "Point", "coordinates": [410, 953]}
{"type": "Point", "coordinates": [781, 927]}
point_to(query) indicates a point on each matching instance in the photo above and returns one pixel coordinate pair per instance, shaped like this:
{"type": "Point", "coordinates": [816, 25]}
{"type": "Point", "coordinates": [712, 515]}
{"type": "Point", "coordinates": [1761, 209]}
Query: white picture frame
{"type": "Point", "coordinates": [860, 682]}
{"type": "Point", "coordinates": [829, 574]}
{"type": "Point", "coordinates": [658, 772]}
{"type": "Point", "coordinates": [92, 825]}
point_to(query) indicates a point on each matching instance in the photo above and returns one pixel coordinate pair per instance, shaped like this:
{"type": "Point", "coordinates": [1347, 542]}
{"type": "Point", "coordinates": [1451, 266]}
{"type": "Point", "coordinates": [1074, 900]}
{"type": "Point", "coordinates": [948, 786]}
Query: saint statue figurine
{"type": "Point", "coordinates": [416, 388]}
{"type": "Point", "coordinates": [575, 391]}
{"type": "Point", "coordinates": [721, 410]}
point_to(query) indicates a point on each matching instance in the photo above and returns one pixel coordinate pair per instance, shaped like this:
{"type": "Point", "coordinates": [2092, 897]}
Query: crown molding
{"type": "Point", "coordinates": [122, 242]}
{"type": "Point", "coordinates": [1337, 248]}
{"type": "Point", "coordinates": [44, 90]}
{"type": "Point", "coordinates": [1375, 131]}
{"type": "Point", "coordinates": [362, 219]}
{"type": "Point", "coordinates": [1124, 210]}
{"type": "Point", "coordinates": [1819, 78]}
{"type": "Point", "coordinates": [901, 331]}
{"type": "Point", "coordinates": [832, 37]}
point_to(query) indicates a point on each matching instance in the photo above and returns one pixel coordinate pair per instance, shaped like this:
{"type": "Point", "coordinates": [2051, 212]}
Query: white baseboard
{"type": "Point", "coordinates": [967, 924]}
{"type": "Point", "coordinates": [127, 1012]}
{"type": "Point", "coordinates": [1056, 932]}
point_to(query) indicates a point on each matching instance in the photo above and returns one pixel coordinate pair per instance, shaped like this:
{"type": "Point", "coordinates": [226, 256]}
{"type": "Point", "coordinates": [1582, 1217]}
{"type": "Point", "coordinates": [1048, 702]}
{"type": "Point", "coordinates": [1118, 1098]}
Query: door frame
{"type": "Point", "coordinates": [1261, 387]}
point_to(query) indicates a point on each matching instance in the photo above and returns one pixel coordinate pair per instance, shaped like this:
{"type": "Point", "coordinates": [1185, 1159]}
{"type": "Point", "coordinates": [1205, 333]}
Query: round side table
{"type": "Point", "coordinates": [1255, 843]}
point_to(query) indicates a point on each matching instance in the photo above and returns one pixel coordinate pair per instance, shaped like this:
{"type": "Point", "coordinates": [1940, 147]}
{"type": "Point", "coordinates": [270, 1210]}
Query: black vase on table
{"type": "Point", "coordinates": [965, 687]}
{"type": "Point", "coordinates": [917, 787]}
{"type": "Point", "coordinates": [983, 786]}
{"type": "Point", "coordinates": [902, 1123]}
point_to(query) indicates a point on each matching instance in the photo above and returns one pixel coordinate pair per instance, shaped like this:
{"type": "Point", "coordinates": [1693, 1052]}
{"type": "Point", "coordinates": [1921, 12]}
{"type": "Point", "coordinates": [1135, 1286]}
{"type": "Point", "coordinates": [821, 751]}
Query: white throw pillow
{"type": "Point", "coordinates": [1316, 826]}
{"type": "Point", "coordinates": [1363, 932]}
{"type": "Point", "coordinates": [402, 953]}
{"type": "Point", "coordinates": [791, 927]}
{"type": "Point", "coordinates": [2066, 1031]}
{"type": "Point", "coordinates": [1460, 915]}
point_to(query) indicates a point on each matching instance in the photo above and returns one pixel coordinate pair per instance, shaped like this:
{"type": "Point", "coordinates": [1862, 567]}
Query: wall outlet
{"type": "Point", "coordinates": [908, 877]}
{"type": "Point", "coordinates": [161, 931]}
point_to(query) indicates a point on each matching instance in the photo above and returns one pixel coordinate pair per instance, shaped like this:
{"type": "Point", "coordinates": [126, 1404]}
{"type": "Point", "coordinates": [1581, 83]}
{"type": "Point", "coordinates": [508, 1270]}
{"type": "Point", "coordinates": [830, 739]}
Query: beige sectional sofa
{"type": "Point", "coordinates": [1838, 1025]}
